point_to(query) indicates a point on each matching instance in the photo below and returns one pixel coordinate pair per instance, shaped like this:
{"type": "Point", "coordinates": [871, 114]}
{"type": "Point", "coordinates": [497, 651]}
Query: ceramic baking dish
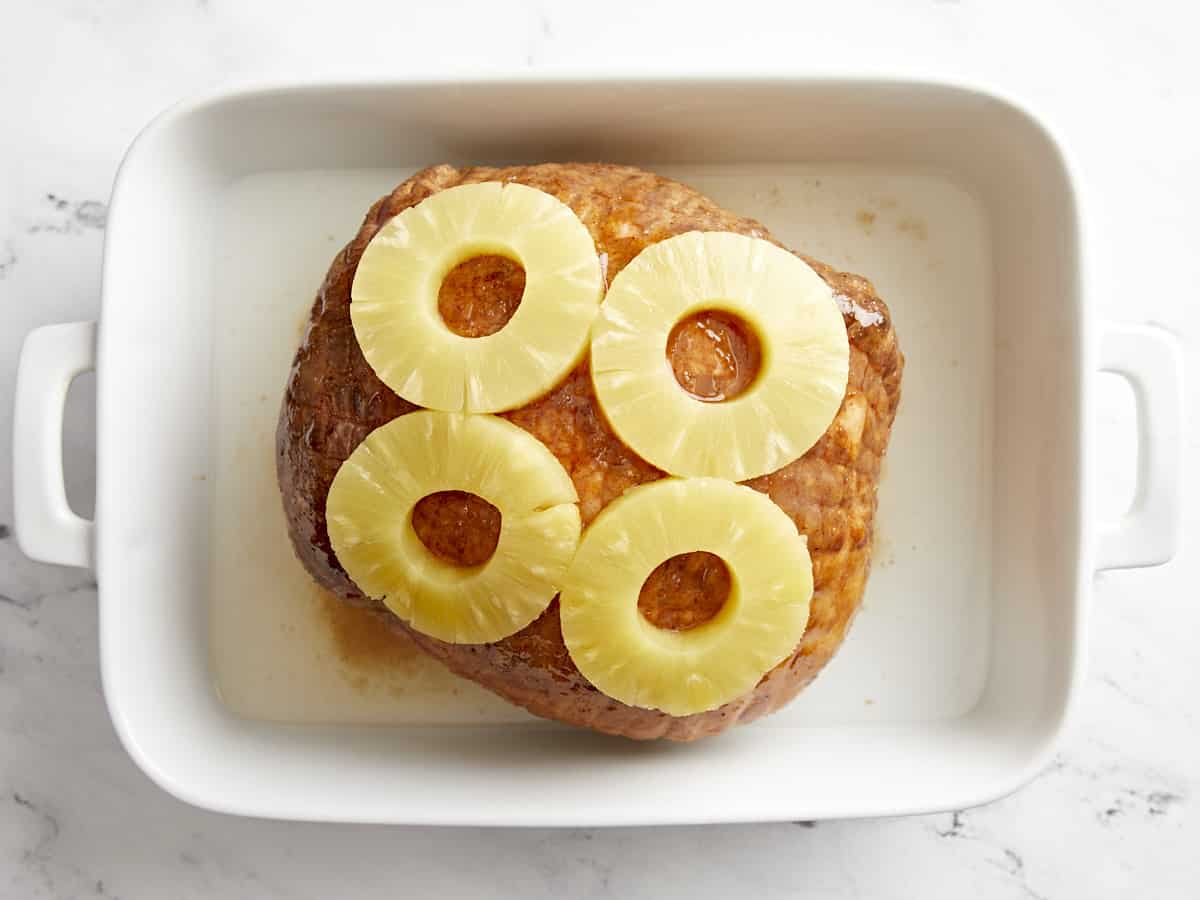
{"type": "Point", "coordinates": [962, 667]}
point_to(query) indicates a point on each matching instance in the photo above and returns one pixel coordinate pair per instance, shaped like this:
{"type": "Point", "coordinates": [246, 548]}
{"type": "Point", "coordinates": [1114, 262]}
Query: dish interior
{"type": "Point", "coordinates": [223, 675]}
{"type": "Point", "coordinates": [284, 650]}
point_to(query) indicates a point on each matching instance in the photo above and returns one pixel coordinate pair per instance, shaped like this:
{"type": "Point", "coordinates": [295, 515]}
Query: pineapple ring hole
{"type": "Point", "coordinates": [685, 591]}
{"type": "Point", "coordinates": [480, 295]}
{"type": "Point", "coordinates": [715, 355]}
{"type": "Point", "coordinates": [457, 527]}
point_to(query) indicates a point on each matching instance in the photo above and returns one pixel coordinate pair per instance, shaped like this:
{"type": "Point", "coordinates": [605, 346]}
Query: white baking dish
{"type": "Point", "coordinates": [957, 680]}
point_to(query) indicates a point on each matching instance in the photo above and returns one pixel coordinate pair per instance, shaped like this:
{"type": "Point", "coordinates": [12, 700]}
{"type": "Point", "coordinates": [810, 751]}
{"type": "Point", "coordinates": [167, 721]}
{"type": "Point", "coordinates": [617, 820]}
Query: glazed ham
{"type": "Point", "coordinates": [334, 399]}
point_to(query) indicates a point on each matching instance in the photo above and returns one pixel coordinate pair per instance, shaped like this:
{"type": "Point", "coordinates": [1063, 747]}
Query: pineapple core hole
{"type": "Point", "coordinates": [457, 527]}
{"type": "Point", "coordinates": [480, 295]}
{"type": "Point", "coordinates": [685, 591]}
{"type": "Point", "coordinates": [715, 355]}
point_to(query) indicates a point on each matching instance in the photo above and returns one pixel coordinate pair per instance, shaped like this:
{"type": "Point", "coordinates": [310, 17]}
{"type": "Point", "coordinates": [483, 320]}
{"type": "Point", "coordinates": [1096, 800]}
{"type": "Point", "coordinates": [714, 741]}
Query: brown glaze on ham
{"type": "Point", "coordinates": [480, 295]}
{"type": "Point", "coordinates": [715, 356]}
{"type": "Point", "coordinates": [459, 527]}
{"type": "Point", "coordinates": [333, 400]}
{"type": "Point", "coordinates": [685, 591]}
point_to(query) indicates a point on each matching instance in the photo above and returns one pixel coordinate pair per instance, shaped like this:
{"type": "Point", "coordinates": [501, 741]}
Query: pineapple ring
{"type": "Point", "coordinates": [369, 514]}
{"type": "Point", "coordinates": [394, 298]}
{"type": "Point", "coordinates": [780, 415]}
{"type": "Point", "coordinates": [684, 672]}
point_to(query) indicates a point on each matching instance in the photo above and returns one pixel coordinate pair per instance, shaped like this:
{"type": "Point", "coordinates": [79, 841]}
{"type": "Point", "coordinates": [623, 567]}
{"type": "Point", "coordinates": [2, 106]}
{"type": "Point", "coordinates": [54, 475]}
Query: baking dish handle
{"type": "Point", "coordinates": [51, 358]}
{"type": "Point", "coordinates": [1148, 358]}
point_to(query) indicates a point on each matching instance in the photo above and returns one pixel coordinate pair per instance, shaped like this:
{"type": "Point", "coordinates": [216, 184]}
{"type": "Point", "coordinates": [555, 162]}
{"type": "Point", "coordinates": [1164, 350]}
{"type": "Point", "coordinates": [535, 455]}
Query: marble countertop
{"type": "Point", "coordinates": [1118, 812]}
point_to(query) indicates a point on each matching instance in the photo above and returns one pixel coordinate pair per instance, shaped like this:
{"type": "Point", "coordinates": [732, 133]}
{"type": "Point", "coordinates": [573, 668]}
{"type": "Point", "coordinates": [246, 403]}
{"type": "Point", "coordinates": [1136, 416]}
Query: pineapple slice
{"type": "Point", "coordinates": [685, 672]}
{"type": "Point", "coordinates": [805, 356]}
{"type": "Point", "coordinates": [394, 298]}
{"type": "Point", "coordinates": [369, 513]}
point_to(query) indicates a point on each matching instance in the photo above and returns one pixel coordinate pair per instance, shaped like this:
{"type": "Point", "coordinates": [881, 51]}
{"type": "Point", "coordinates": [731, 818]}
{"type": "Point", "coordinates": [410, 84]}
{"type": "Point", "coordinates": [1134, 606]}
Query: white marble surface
{"type": "Point", "coordinates": [1117, 815]}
